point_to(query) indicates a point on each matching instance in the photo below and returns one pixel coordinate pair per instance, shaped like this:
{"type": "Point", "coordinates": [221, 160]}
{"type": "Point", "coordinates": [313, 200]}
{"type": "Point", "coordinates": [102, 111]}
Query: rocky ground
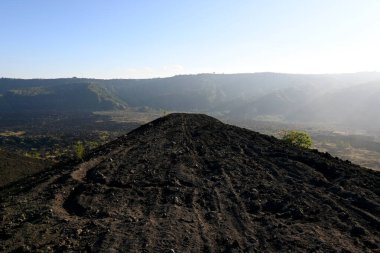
{"type": "Point", "coordinates": [13, 167]}
{"type": "Point", "coordinates": [189, 183]}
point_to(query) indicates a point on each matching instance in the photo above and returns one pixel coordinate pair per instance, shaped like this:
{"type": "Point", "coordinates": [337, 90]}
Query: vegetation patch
{"type": "Point", "coordinates": [11, 133]}
{"type": "Point", "coordinates": [31, 92]}
{"type": "Point", "coordinates": [298, 138]}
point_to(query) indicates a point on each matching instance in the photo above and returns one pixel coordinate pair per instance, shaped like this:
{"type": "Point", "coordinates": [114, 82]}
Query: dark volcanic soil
{"type": "Point", "coordinates": [189, 183]}
{"type": "Point", "coordinates": [14, 167]}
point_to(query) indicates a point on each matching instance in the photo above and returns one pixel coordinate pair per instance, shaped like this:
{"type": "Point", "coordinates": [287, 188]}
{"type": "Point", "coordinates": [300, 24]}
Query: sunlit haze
{"type": "Point", "coordinates": [142, 39]}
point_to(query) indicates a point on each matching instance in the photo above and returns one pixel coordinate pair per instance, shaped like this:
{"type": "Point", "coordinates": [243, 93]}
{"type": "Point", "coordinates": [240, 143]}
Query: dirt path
{"type": "Point", "coordinates": [84, 167]}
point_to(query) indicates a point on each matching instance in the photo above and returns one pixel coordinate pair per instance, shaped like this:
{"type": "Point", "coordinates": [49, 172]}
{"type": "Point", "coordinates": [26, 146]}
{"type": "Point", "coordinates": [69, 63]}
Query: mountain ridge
{"type": "Point", "coordinates": [288, 98]}
{"type": "Point", "coordinates": [190, 183]}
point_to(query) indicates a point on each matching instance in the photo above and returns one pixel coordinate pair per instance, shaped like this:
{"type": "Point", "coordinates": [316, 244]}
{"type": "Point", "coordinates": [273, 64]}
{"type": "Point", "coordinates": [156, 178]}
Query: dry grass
{"type": "Point", "coordinates": [130, 116]}
{"type": "Point", "coordinates": [363, 157]}
{"type": "Point", "coordinates": [11, 133]}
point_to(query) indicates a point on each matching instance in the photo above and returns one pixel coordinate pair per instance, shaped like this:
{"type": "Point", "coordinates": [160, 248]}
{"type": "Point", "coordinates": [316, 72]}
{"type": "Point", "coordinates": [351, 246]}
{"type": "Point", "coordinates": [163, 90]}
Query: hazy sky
{"type": "Point", "coordinates": [141, 38]}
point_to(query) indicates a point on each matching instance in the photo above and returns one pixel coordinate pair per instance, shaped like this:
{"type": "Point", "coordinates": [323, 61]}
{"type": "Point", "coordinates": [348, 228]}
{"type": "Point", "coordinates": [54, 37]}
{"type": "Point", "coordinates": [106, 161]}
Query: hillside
{"type": "Point", "coordinates": [55, 95]}
{"type": "Point", "coordinates": [355, 106]}
{"type": "Point", "coordinates": [15, 167]}
{"type": "Point", "coordinates": [291, 98]}
{"type": "Point", "coordinates": [189, 183]}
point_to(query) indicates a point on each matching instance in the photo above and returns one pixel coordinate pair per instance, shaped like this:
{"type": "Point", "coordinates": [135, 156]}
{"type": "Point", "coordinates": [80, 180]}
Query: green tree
{"type": "Point", "coordinates": [80, 150]}
{"type": "Point", "coordinates": [298, 138]}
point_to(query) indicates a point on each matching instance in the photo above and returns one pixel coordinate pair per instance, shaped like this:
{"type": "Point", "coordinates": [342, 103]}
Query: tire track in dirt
{"type": "Point", "coordinates": [199, 216]}
{"type": "Point", "coordinates": [239, 213]}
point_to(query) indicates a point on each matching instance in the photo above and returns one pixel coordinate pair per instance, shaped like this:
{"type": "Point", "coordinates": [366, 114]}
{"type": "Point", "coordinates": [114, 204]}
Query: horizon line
{"type": "Point", "coordinates": [192, 74]}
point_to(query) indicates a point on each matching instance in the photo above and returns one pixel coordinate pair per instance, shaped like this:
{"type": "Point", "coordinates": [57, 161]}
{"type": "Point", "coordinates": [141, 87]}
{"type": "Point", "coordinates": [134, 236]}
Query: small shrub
{"type": "Point", "coordinates": [80, 150]}
{"type": "Point", "coordinates": [298, 138]}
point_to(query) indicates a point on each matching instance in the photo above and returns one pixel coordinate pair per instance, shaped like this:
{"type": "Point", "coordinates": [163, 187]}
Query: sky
{"type": "Point", "coordinates": [159, 38]}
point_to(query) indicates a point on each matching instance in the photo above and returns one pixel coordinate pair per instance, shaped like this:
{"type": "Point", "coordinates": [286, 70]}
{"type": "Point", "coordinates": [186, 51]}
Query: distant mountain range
{"type": "Point", "coordinates": [348, 100]}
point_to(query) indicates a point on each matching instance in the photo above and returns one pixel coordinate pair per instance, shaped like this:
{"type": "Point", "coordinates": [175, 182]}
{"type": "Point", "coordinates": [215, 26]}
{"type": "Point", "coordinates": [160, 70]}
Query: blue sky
{"type": "Point", "coordinates": [142, 39]}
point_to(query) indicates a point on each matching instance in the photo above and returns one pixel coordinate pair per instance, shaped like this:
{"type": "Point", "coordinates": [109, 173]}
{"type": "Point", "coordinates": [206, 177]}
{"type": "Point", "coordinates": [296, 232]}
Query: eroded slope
{"type": "Point", "coordinates": [190, 183]}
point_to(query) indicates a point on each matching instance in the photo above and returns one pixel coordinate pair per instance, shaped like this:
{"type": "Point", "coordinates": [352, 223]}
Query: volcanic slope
{"type": "Point", "coordinates": [189, 183]}
{"type": "Point", "coordinates": [13, 167]}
